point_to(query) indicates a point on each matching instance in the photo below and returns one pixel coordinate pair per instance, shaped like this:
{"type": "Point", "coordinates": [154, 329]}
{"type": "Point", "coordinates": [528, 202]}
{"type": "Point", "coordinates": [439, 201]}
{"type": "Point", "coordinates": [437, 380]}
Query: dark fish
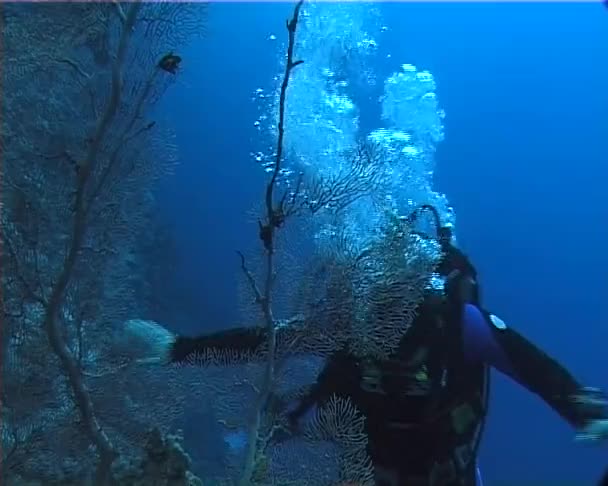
{"type": "Point", "coordinates": [604, 480]}
{"type": "Point", "coordinates": [170, 62]}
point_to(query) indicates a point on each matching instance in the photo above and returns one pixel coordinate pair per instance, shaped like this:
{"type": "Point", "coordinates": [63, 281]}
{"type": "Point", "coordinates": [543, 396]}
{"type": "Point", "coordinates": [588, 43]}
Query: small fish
{"type": "Point", "coordinates": [170, 62]}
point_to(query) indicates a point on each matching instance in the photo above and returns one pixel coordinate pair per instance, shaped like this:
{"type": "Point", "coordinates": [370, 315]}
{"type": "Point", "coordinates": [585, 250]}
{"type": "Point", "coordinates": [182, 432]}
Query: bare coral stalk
{"type": "Point", "coordinates": [104, 447]}
{"type": "Point", "coordinates": [274, 220]}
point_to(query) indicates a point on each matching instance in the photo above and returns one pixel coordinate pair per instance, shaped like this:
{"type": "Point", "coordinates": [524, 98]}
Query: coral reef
{"type": "Point", "coordinates": [82, 151]}
{"type": "Point", "coordinates": [164, 463]}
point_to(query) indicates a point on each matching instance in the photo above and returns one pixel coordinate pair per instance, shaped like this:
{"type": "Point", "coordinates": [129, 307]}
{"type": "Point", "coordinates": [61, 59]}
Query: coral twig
{"type": "Point", "coordinates": [274, 219]}
{"type": "Point", "coordinates": [51, 322]}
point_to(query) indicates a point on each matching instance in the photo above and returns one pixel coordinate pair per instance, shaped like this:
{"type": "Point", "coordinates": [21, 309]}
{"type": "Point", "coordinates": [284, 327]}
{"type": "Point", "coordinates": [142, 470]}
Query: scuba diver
{"type": "Point", "coordinates": [425, 406]}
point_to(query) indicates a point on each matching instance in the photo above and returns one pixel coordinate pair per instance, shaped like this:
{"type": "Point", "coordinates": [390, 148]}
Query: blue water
{"type": "Point", "coordinates": [524, 162]}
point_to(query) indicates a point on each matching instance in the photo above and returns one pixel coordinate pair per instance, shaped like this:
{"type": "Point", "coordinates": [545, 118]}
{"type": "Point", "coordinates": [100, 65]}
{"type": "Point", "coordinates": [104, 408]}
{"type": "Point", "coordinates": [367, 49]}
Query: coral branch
{"type": "Point", "coordinates": [274, 219]}
{"type": "Point", "coordinates": [69, 363]}
{"type": "Point", "coordinates": [250, 279]}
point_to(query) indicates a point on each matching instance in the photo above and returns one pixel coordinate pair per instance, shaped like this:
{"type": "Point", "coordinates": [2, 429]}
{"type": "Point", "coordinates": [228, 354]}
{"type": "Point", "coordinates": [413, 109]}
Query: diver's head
{"type": "Point", "coordinates": [454, 266]}
{"type": "Point", "coordinates": [445, 233]}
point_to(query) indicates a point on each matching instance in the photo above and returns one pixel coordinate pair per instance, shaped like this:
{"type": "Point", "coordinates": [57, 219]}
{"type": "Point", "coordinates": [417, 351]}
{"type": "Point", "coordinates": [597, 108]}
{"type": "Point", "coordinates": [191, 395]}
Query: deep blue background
{"type": "Point", "coordinates": [524, 162]}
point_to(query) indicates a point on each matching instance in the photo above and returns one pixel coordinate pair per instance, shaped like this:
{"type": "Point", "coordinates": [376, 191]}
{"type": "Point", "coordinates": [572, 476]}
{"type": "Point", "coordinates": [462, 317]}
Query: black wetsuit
{"type": "Point", "coordinates": [425, 406]}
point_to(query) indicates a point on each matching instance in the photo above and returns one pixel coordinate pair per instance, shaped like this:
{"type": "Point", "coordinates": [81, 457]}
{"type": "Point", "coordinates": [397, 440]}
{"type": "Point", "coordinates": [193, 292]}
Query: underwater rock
{"type": "Point", "coordinates": [165, 463]}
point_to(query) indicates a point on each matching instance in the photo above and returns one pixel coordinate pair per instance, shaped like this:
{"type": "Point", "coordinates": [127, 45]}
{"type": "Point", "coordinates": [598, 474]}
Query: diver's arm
{"type": "Point", "coordinates": [330, 381]}
{"type": "Point", "coordinates": [487, 339]}
{"type": "Point", "coordinates": [242, 340]}
{"type": "Point", "coordinates": [149, 342]}
{"type": "Point", "coordinates": [249, 342]}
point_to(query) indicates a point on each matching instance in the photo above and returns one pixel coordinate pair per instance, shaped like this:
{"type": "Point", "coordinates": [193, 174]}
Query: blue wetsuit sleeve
{"type": "Point", "coordinates": [480, 344]}
{"type": "Point", "coordinates": [487, 340]}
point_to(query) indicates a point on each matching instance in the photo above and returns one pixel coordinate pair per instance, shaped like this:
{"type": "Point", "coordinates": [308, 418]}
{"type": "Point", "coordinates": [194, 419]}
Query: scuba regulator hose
{"type": "Point", "coordinates": [444, 233]}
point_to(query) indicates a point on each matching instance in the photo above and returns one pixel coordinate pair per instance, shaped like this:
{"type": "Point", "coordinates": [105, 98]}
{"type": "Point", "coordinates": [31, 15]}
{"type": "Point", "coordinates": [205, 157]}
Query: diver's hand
{"type": "Point", "coordinates": [143, 342]}
{"type": "Point", "coordinates": [593, 404]}
{"type": "Point", "coordinates": [287, 424]}
{"type": "Point", "coordinates": [595, 431]}
{"type": "Point", "coordinates": [590, 398]}
{"type": "Point", "coordinates": [285, 430]}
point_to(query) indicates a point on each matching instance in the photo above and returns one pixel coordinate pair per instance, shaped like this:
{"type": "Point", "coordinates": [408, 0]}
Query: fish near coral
{"type": "Point", "coordinates": [170, 62]}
